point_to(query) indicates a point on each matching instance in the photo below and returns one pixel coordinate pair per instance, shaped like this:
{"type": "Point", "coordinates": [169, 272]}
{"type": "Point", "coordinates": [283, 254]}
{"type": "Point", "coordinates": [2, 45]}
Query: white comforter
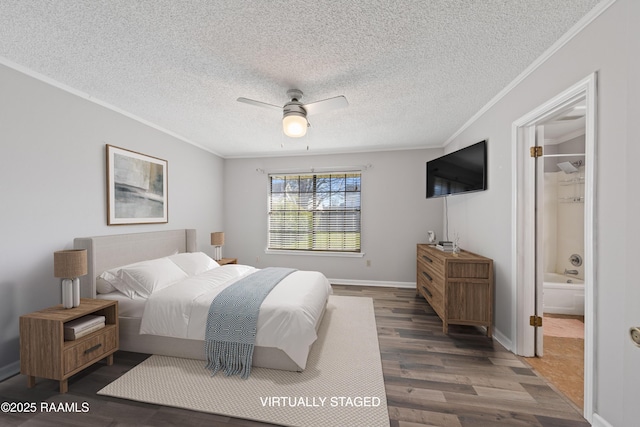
{"type": "Point", "coordinates": [287, 319]}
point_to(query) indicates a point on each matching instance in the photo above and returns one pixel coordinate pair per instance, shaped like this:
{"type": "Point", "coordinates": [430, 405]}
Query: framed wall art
{"type": "Point", "coordinates": [136, 188]}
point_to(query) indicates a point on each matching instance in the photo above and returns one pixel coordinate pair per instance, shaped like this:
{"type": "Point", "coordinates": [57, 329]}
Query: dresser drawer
{"type": "Point", "coordinates": [89, 350]}
{"type": "Point", "coordinates": [433, 277]}
{"type": "Point", "coordinates": [434, 298]}
{"type": "Point", "coordinates": [471, 270]}
{"type": "Point", "coordinates": [432, 290]}
{"type": "Point", "coordinates": [429, 258]}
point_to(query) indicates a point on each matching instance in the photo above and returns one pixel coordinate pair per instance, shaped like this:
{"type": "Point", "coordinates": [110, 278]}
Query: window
{"type": "Point", "coordinates": [315, 212]}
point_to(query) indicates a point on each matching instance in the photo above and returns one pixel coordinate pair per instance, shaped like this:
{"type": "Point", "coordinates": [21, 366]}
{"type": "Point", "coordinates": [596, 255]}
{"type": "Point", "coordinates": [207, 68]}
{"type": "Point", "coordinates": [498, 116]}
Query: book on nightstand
{"type": "Point", "coordinates": [83, 326]}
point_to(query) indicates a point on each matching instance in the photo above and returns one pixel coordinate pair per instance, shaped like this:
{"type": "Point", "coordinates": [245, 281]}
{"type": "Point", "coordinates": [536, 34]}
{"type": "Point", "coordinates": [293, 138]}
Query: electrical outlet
{"type": "Point", "coordinates": [368, 263]}
{"type": "Point", "coordinates": [257, 260]}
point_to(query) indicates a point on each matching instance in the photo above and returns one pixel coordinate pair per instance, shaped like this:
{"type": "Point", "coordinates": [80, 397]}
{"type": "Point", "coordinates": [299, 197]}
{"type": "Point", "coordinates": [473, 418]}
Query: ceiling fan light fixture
{"type": "Point", "coordinates": [294, 112]}
{"type": "Point", "coordinates": [294, 124]}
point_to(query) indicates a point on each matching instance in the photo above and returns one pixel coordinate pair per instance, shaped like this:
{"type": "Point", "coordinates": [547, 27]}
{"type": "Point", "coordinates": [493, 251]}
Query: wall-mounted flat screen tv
{"type": "Point", "coordinates": [461, 171]}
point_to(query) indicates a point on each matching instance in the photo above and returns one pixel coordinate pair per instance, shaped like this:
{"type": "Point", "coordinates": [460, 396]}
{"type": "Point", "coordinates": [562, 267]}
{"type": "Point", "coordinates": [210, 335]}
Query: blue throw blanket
{"type": "Point", "coordinates": [233, 320]}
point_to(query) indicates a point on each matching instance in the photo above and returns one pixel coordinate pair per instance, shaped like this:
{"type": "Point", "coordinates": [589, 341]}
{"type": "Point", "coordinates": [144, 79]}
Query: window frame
{"type": "Point", "coordinates": [314, 252]}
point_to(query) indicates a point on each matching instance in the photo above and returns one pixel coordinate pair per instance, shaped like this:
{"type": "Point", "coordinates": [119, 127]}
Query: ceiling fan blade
{"type": "Point", "coordinates": [326, 105]}
{"type": "Point", "coordinates": [260, 104]}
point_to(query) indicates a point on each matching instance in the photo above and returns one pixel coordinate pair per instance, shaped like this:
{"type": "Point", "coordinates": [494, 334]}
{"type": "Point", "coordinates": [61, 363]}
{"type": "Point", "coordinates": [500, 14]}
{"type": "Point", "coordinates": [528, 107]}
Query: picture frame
{"type": "Point", "coordinates": [137, 191]}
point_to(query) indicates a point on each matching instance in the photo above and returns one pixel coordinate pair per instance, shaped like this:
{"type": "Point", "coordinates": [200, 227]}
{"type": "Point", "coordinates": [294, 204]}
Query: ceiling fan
{"type": "Point", "coordinates": [294, 112]}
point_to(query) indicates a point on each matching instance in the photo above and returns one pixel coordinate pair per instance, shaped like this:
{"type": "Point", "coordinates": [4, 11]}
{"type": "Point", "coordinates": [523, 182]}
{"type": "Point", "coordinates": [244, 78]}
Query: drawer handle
{"type": "Point", "coordinates": [92, 349]}
{"type": "Point", "coordinates": [427, 292]}
{"type": "Point", "coordinates": [427, 258]}
{"type": "Point", "coordinates": [424, 273]}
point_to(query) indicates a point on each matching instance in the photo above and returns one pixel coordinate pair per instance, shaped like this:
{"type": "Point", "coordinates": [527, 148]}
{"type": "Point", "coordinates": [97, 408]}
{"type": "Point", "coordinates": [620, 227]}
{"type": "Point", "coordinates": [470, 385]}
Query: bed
{"type": "Point", "coordinates": [105, 253]}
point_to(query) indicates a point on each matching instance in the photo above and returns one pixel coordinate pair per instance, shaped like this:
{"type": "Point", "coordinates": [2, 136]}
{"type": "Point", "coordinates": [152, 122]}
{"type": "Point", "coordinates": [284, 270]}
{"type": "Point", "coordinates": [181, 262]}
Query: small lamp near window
{"type": "Point", "coordinates": [217, 241]}
{"type": "Point", "coordinates": [69, 265]}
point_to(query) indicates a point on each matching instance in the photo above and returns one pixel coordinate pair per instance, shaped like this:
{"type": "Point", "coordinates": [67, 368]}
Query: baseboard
{"type": "Point", "coordinates": [598, 421]}
{"type": "Point", "coordinates": [379, 283]}
{"type": "Point", "coordinates": [9, 370]}
{"type": "Point", "coordinates": [503, 340]}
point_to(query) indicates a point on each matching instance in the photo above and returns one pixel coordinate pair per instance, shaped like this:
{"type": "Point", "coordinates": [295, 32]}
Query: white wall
{"type": "Point", "coordinates": [395, 214]}
{"type": "Point", "coordinates": [629, 246]}
{"type": "Point", "coordinates": [52, 189]}
{"type": "Point", "coordinates": [485, 219]}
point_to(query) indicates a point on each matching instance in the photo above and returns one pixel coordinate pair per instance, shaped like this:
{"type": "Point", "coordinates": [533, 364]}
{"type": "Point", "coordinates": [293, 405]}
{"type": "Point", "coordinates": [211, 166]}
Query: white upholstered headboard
{"type": "Point", "coordinates": [105, 252]}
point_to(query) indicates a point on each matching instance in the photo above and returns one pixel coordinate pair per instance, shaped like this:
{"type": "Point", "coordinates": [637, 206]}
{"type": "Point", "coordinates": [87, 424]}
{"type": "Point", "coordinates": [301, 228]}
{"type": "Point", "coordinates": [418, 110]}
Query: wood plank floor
{"type": "Point", "coordinates": [461, 379]}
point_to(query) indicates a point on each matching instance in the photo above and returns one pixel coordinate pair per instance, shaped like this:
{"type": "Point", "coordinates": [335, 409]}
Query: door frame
{"type": "Point", "coordinates": [524, 220]}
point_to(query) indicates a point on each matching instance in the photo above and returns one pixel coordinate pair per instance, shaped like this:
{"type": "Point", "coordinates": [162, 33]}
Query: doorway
{"type": "Point", "coordinates": [557, 244]}
{"type": "Point", "coordinates": [560, 182]}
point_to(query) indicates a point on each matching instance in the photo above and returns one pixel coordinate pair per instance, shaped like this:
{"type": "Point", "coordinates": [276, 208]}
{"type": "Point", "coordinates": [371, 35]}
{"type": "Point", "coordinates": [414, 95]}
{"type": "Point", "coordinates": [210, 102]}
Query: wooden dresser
{"type": "Point", "coordinates": [459, 287]}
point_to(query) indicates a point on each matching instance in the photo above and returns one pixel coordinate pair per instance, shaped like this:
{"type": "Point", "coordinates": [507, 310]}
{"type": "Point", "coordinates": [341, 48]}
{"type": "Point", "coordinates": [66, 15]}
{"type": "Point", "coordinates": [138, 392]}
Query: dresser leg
{"type": "Point", "coordinates": [31, 381]}
{"type": "Point", "coordinates": [110, 360]}
{"type": "Point", "coordinates": [64, 386]}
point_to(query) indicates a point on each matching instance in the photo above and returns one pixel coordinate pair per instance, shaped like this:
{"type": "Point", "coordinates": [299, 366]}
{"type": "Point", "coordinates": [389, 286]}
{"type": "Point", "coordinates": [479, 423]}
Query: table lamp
{"type": "Point", "coordinates": [217, 240]}
{"type": "Point", "coordinates": [69, 265]}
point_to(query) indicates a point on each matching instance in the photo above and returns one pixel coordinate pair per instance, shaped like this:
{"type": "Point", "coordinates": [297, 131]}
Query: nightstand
{"type": "Point", "coordinates": [45, 353]}
{"type": "Point", "coordinates": [225, 261]}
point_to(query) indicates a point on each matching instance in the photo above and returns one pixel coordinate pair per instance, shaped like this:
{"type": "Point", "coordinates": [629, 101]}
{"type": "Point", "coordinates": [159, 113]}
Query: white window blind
{"type": "Point", "coordinates": [315, 212]}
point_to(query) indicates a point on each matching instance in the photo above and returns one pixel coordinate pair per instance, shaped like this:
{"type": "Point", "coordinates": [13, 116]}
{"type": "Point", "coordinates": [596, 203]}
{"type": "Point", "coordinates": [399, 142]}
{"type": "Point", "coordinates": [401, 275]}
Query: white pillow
{"type": "Point", "coordinates": [104, 287]}
{"type": "Point", "coordinates": [109, 281]}
{"type": "Point", "coordinates": [194, 262]}
{"type": "Point", "coordinates": [146, 277]}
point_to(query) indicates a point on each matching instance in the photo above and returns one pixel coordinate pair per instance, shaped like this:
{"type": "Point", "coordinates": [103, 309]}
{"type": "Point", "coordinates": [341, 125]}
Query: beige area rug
{"type": "Point", "coordinates": [341, 386]}
{"type": "Point", "coordinates": [566, 328]}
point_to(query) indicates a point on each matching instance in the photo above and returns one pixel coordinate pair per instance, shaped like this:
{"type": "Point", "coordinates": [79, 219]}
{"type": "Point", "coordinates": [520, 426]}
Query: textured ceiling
{"type": "Point", "coordinates": [413, 71]}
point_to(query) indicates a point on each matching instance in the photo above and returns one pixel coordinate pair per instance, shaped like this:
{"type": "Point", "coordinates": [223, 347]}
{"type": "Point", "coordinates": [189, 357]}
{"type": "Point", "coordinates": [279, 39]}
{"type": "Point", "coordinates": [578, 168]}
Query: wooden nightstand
{"type": "Point", "coordinates": [45, 353]}
{"type": "Point", "coordinates": [225, 261]}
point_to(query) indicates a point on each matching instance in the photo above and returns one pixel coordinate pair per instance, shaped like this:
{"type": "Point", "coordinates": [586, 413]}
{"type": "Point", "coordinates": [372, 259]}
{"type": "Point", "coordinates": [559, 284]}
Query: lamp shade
{"type": "Point", "coordinates": [217, 238]}
{"type": "Point", "coordinates": [294, 125]}
{"type": "Point", "coordinates": [69, 264]}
